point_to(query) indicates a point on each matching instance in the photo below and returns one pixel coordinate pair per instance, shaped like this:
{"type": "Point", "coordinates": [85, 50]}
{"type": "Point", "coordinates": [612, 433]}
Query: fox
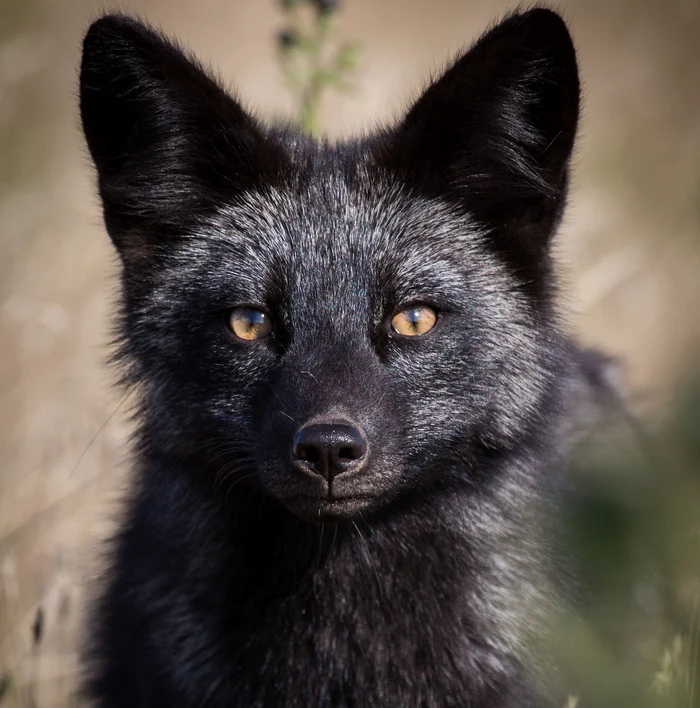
{"type": "Point", "coordinates": [357, 393]}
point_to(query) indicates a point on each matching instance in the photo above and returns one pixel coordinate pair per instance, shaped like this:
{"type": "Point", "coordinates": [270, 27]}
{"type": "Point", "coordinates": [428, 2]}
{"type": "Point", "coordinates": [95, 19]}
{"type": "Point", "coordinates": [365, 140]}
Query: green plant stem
{"type": "Point", "coordinates": [311, 95]}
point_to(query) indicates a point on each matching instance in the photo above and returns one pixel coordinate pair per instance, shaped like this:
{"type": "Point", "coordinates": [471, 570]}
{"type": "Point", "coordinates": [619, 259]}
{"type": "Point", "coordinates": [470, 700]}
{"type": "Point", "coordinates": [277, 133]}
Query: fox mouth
{"type": "Point", "coordinates": [328, 509]}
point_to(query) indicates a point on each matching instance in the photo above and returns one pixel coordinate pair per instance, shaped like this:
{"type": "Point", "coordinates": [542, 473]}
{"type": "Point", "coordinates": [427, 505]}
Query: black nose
{"type": "Point", "coordinates": [328, 449]}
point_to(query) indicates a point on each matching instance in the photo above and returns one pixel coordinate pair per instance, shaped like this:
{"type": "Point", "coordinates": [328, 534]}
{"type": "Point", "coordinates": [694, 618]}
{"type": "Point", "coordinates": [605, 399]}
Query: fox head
{"type": "Point", "coordinates": [337, 326]}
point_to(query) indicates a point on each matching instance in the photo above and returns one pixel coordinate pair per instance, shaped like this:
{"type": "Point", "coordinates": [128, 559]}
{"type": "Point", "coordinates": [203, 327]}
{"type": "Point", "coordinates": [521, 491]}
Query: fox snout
{"type": "Point", "coordinates": [328, 472]}
{"type": "Point", "coordinates": [328, 450]}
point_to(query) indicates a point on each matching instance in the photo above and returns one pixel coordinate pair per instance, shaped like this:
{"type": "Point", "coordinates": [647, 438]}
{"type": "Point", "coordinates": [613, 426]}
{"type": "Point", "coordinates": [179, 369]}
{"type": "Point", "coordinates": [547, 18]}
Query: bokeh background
{"type": "Point", "coordinates": [629, 251]}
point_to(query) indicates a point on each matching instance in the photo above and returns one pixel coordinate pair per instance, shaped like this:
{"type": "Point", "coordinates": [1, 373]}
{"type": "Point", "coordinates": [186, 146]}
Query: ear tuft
{"type": "Point", "coordinates": [168, 142]}
{"type": "Point", "coordinates": [495, 133]}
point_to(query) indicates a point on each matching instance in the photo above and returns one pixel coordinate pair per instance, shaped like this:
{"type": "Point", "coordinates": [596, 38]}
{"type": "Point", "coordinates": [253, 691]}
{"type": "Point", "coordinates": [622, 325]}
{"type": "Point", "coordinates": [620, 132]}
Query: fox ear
{"type": "Point", "coordinates": [168, 142]}
{"type": "Point", "coordinates": [495, 133]}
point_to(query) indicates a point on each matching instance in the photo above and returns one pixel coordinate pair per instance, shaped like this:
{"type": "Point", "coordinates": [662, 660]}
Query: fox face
{"type": "Point", "coordinates": [338, 327]}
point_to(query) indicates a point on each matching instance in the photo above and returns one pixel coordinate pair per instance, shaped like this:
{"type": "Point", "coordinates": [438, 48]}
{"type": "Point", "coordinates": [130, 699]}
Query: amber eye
{"type": "Point", "coordinates": [415, 320]}
{"type": "Point", "coordinates": [248, 323]}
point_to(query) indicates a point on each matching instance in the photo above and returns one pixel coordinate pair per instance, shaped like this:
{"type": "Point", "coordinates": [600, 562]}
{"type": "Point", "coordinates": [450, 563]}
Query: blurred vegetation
{"type": "Point", "coordinates": [310, 62]}
{"type": "Point", "coordinates": [634, 523]}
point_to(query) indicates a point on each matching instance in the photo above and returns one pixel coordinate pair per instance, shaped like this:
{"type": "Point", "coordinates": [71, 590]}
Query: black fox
{"type": "Point", "coordinates": [355, 393]}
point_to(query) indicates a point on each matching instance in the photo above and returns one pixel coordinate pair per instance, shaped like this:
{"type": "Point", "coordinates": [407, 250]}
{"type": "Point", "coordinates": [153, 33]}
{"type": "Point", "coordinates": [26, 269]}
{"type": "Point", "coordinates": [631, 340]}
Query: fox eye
{"type": "Point", "coordinates": [414, 320]}
{"type": "Point", "coordinates": [248, 323]}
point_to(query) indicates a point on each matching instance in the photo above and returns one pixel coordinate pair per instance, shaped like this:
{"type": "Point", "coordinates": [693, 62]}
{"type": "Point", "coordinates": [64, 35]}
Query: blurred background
{"type": "Point", "coordinates": [630, 263]}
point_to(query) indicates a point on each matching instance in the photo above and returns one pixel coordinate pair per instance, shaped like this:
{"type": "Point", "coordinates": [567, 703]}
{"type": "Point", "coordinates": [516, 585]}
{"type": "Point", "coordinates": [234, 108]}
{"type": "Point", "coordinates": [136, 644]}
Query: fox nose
{"type": "Point", "coordinates": [328, 449]}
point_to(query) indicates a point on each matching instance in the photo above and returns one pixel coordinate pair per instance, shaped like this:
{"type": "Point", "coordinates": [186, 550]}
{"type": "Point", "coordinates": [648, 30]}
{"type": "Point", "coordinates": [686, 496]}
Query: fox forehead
{"type": "Point", "coordinates": [328, 230]}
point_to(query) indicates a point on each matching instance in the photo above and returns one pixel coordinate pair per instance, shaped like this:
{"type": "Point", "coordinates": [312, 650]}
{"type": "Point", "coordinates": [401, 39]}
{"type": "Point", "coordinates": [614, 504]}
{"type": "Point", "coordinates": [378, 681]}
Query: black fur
{"type": "Point", "coordinates": [235, 581]}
